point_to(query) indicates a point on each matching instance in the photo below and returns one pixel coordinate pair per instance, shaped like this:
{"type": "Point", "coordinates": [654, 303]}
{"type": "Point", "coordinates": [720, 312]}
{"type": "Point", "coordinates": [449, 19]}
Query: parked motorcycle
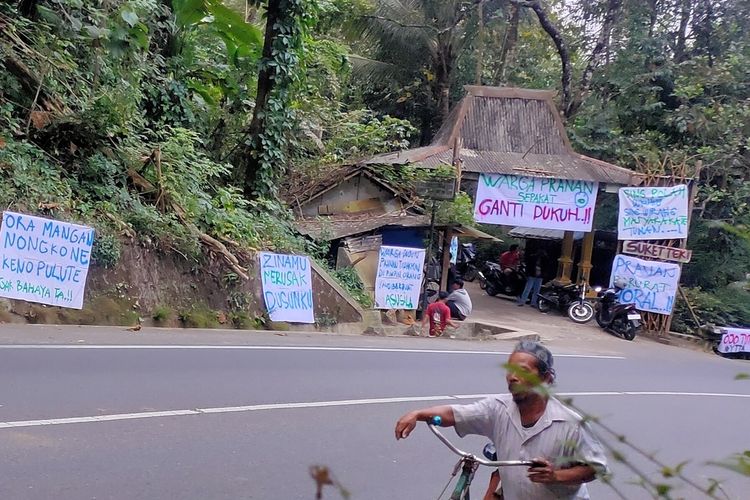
{"type": "Point", "coordinates": [466, 265]}
{"type": "Point", "coordinates": [570, 299]}
{"type": "Point", "coordinates": [496, 281]}
{"type": "Point", "coordinates": [623, 320]}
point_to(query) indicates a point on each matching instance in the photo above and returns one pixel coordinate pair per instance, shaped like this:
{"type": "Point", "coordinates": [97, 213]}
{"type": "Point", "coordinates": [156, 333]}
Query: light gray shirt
{"type": "Point", "coordinates": [462, 300]}
{"type": "Point", "coordinates": [560, 436]}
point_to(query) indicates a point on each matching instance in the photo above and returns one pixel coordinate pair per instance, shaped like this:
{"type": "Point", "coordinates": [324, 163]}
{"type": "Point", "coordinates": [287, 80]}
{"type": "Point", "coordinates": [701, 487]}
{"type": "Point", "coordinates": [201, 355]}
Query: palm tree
{"type": "Point", "coordinates": [408, 40]}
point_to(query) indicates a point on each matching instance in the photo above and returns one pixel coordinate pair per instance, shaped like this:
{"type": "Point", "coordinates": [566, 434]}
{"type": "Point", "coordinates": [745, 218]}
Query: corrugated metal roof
{"type": "Point", "coordinates": [334, 228]}
{"type": "Point", "coordinates": [565, 165]}
{"type": "Point", "coordinates": [415, 155]}
{"type": "Point", "coordinates": [471, 232]}
{"type": "Point", "coordinates": [541, 234]}
{"type": "Point", "coordinates": [513, 131]}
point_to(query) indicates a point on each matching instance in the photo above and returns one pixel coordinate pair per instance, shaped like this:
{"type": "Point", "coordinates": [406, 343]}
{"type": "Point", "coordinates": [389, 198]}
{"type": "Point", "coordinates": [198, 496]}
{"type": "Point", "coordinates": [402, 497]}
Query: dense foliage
{"type": "Point", "coordinates": [165, 120]}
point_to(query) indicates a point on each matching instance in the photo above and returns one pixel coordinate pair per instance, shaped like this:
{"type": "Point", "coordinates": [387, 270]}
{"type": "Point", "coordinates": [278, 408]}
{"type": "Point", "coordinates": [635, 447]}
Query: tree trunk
{"type": "Point", "coordinates": [443, 74]}
{"type": "Point", "coordinates": [686, 7]}
{"type": "Point", "coordinates": [250, 161]}
{"type": "Point", "coordinates": [510, 40]}
{"type": "Point", "coordinates": [32, 86]}
{"type": "Point", "coordinates": [562, 48]}
{"type": "Point", "coordinates": [703, 25]}
{"type": "Point", "coordinates": [597, 55]}
{"type": "Point", "coordinates": [27, 8]}
{"type": "Point", "coordinates": [653, 16]}
{"type": "Point", "coordinates": [480, 44]}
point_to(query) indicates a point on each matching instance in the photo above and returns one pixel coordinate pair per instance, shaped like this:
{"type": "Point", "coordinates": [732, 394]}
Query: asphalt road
{"type": "Point", "coordinates": [246, 420]}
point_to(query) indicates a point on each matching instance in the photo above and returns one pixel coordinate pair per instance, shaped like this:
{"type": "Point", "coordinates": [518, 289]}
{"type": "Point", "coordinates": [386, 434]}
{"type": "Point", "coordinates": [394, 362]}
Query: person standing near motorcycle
{"type": "Point", "coordinates": [510, 259]}
{"type": "Point", "coordinates": [459, 301]}
{"type": "Point", "coordinates": [535, 266]}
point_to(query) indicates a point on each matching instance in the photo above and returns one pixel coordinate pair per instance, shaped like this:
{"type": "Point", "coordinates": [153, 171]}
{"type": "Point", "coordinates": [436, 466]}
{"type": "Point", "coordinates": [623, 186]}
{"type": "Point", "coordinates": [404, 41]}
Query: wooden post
{"type": "Point", "coordinates": [584, 268]}
{"type": "Point", "coordinates": [457, 144]}
{"type": "Point", "coordinates": [428, 259]}
{"type": "Point", "coordinates": [692, 188]}
{"type": "Point", "coordinates": [565, 262]}
{"type": "Point", "coordinates": [446, 258]}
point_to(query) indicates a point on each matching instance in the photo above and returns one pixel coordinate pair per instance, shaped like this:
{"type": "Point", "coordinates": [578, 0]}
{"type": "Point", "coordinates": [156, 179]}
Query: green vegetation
{"type": "Point", "coordinates": [199, 317]}
{"type": "Point", "coordinates": [161, 314]}
{"type": "Point", "coordinates": [350, 280]}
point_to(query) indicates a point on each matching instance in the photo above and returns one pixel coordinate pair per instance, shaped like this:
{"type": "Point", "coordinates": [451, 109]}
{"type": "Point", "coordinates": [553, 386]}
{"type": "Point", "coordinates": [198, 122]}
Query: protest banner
{"type": "Point", "coordinates": [287, 287]}
{"type": "Point", "coordinates": [734, 340]}
{"type": "Point", "coordinates": [44, 260]}
{"type": "Point", "coordinates": [659, 252]}
{"type": "Point", "coordinates": [399, 279]}
{"type": "Point", "coordinates": [652, 285]}
{"type": "Point", "coordinates": [535, 202]}
{"type": "Point", "coordinates": [653, 213]}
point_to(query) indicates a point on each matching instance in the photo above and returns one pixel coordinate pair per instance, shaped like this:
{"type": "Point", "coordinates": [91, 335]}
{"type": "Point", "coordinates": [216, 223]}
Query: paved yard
{"type": "Point", "coordinates": [553, 327]}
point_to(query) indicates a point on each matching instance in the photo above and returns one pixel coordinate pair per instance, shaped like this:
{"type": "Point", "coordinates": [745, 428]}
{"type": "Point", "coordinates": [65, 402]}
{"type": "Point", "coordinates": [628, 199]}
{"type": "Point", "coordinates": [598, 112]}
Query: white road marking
{"type": "Point", "coordinates": [328, 404]}
{"type": "Point", "coordinates": [285, 348]}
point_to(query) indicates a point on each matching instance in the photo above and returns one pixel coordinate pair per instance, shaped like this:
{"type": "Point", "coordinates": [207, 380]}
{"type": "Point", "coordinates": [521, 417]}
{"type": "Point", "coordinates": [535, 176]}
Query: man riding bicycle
{"type": "Point", "coordinates": [528, 425]}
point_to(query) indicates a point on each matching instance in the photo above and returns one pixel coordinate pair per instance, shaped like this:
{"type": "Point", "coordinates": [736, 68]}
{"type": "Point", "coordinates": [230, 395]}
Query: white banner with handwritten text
{"type": "Point", "coordinates": [399, 279]}
{"type": "Point", "coordinates": [44, 260]}
{"type": "Point", "coordinates": [287, 287]}
{"type": "Point", "coordinates": [652, 285]}
{"type": "Point", "coordinates": [653, 213]}
{"type": "Point", "coordinates": [513, 200]}
{"type": "Point", "coordinates": [735, 340]}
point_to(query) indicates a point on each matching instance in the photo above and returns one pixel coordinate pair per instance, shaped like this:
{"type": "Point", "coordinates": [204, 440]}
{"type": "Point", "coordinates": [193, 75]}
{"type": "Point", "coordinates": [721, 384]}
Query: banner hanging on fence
{"type": "Point", "coordinates": [735, 340]}
{"type": "Point", "coordinates": [287, 287]}
{"type": "Point", "coordinates": [652, 285]}
{"type": "Point", "coordinates": [653, 213]}
{"type": "Point", "coordinates": [513, 200]}
{"type": "Point", "coordinates": [44, 260]}
{"type": "Point", "coordinates": [399, 279]}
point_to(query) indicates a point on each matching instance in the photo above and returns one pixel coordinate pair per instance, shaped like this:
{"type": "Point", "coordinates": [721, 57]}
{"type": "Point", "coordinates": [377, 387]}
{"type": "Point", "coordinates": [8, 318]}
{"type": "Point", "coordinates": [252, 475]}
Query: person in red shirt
{"type": "Point", "coordinates": [510, 259]}
{"type": "Point", "coordinates": [439, 316]}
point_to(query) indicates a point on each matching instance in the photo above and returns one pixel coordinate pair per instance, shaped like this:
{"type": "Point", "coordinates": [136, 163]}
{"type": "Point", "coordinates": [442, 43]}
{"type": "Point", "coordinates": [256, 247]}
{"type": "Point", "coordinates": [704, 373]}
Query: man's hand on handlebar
{"type": "Point", "coordinates": [542, 472]}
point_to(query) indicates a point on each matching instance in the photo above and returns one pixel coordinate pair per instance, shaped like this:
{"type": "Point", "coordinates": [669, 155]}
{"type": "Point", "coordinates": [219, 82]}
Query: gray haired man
{"type": "Point", "coordinates": [526, 424]}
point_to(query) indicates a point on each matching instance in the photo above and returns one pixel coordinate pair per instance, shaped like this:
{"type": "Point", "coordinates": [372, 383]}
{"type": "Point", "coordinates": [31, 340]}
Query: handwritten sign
{"type": "Point", "coordinates": [659, 252]}
{"type": "Point", "coordinates": [652, 285]}
{"type": "Point", "coordinates": [653, 213]}
{"type": "Point", "coordinates": [735, 340]}
{"type": "Point", "coordinates": [399, 279]}
{"type": "Point", "coordinates": [535, 202]}
{"type": "Point", "coordinates": [44, 260]}
{"type": "Point", "coordinates": [287, 287]}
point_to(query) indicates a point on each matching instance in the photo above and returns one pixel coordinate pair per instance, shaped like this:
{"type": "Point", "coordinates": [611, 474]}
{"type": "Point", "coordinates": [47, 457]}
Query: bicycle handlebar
{"type": "Point", "coordinates": [436, 421]}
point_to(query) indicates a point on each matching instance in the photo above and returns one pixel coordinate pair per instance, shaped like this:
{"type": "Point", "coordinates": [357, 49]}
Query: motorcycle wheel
{"type": "Point", "coordinates": [491, 290]}
{"type": "Point", "coordinates": [581, 312]}
{"type": "Point", "coordinates": [470, 275]}
{"type": "Point", "coordinates": [630, 331]}
{"type": "Point", "coordinates": [599, 320]}
{"type": "Point", "coordinates": [482, 284]}
{"type": "Point", "coordinates": [543, 305]}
